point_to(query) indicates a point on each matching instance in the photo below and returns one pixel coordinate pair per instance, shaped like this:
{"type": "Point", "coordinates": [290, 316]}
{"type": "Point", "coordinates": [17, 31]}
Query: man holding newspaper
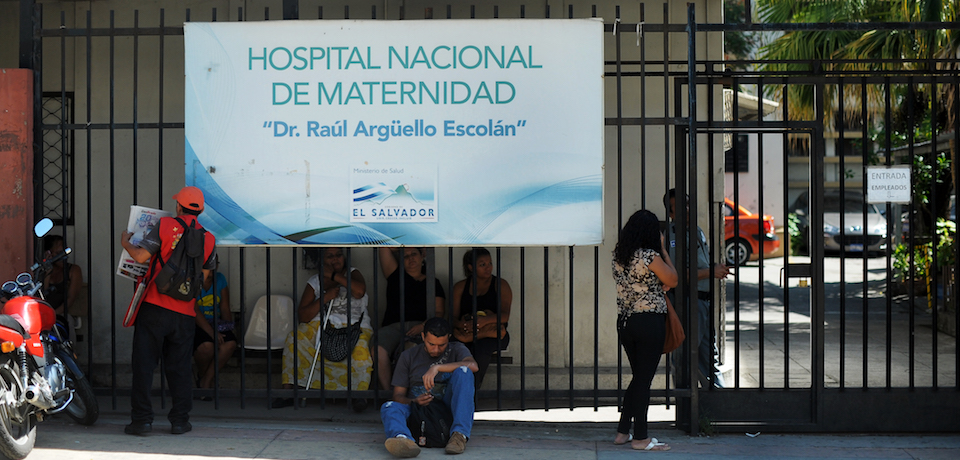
{"type": "Point", "coordinates": [164, 325]}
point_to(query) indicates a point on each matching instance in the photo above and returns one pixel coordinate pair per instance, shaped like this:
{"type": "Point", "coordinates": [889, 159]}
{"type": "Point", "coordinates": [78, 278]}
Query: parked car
{"type": "Point", "coordinates": [857, 234]}
{"type": "Point", "coordinates": [752, 237]}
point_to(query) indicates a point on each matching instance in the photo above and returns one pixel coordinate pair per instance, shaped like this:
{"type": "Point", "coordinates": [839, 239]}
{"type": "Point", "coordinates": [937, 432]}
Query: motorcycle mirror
{"type": "Point", "coordinates": [43, 227]}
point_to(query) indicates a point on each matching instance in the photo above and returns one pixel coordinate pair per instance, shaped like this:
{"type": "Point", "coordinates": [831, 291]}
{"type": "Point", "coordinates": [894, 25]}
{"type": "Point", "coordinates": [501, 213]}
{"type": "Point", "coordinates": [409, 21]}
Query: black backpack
{"type": "Point", "coordinates": [430, 424]}
{"type": "Point", "coordinates": [181, 276]}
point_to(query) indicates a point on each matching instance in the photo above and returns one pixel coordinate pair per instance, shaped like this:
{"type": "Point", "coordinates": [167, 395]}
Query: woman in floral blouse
{"type": "Point", "coordinates": [643, 271]}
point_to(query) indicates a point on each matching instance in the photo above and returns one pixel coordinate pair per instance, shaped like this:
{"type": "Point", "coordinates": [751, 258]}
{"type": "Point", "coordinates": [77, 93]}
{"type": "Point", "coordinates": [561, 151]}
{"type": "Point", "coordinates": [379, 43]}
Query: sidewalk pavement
{"type": "Point", "coordinates": [337, 433]}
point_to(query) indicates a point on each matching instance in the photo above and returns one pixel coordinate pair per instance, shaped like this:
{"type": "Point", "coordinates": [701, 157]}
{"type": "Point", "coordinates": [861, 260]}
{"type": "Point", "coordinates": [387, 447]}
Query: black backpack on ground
{"type": "Point", "coordinates": [181, 276]}
{"type": "Point", "coordinates": [430, 424]}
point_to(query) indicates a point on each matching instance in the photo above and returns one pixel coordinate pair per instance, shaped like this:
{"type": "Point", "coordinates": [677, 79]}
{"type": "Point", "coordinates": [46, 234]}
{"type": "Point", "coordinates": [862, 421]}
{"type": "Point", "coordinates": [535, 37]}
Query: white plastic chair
{"type": "Point", "coordinates": [281, 323]}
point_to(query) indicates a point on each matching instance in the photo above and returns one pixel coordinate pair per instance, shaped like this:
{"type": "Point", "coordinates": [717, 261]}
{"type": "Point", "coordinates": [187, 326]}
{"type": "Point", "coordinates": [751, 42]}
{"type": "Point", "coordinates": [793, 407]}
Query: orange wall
{"type": "Point", "coordinates": [16, 172]}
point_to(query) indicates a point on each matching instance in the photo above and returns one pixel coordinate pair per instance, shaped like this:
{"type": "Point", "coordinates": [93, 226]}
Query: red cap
{"type": "Point", "coordinates": [190, 198]}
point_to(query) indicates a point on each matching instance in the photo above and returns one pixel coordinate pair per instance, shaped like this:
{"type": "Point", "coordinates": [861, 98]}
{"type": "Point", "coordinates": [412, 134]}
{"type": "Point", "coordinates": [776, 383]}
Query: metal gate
{"type": "Point", "coordinates": [840, 338]}
{"type": "Point", "coordinates": [807, 343]}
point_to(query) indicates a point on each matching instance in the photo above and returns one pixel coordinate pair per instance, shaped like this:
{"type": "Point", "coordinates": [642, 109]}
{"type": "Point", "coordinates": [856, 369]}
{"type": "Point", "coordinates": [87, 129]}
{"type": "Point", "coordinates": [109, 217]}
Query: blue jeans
{"type": "Point", "coordinates": [458, 396]}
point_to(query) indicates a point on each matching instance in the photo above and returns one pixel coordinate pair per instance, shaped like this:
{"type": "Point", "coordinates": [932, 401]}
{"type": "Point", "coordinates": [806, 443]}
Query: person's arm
{"type": "Point", "coordinates": [665, 271]}
{"type": "Point", "coordinates": [76, 284]}
{"type": "Point", "coordinates": [358, 286]}
{"type": "Point", "coordinates": [388, 260]}
{"type": "Point", "coordinates": [202, 323]}
{"type": "Point", "coordinates": [457, 294]}
{"type": "Point", "coordinates": [400, 396]}
{"type": "Point", "coordinates": [310, 304]}
{"type": "Point", "coordinates": [506, 298]}
{"type": "Point", "coordinates": [225, 313]}
{"type": "Point", "coordinates": [435, 369]}
{"type": "Point", "coordinates": [137, 253]}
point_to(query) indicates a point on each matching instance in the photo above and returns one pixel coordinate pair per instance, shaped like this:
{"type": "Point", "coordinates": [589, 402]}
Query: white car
{"type": "Point", "coordinates": [855, 233]}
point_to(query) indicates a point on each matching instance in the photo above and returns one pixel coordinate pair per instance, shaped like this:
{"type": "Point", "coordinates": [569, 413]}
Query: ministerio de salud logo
{"type": "Point", "coordinates": [399, 194]}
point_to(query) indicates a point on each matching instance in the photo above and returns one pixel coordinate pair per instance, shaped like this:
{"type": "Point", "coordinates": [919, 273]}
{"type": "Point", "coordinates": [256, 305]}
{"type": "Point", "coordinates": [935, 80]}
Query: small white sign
{"type": "Point", "coordinates": [888, 184]}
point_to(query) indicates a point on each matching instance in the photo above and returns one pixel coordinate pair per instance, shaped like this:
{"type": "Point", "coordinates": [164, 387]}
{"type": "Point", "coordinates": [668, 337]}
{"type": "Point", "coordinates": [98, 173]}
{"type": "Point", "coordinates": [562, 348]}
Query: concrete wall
{"type": "Point", "coordinates": [146, 167]}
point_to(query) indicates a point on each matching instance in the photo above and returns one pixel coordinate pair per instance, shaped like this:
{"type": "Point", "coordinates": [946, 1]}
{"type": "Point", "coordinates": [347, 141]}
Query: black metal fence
{"type": "Point", "coordinates": [823, 341]}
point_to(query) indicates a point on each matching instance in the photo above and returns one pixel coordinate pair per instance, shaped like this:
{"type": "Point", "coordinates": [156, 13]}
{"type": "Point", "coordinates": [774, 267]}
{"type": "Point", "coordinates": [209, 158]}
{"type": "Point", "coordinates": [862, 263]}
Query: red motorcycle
{"type": "Point", "coordinates": [39, 375]}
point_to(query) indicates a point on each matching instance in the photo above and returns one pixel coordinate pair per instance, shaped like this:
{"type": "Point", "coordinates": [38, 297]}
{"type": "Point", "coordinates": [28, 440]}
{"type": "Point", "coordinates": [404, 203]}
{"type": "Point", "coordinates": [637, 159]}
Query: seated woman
{"type": "Point", "coordinates": [314, 303]}
{"type": "Point", "coordinates": [415, 305]}
{"type": "Point", "coordinates": [486, 288]}
{"type": "Point", "coordinates": [63, 282]}
{"type": "Point", "coordinates": [214, 298]}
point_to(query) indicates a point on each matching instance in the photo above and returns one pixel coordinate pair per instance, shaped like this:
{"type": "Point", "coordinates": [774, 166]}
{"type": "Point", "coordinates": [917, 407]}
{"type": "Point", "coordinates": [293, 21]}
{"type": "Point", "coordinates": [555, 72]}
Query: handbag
{"type": "Point", "coordinates": [338, 342]}
{"type": "Point", "coordinates": [462, 328]}
{"type": "Point", "coordinates": [674, 336]}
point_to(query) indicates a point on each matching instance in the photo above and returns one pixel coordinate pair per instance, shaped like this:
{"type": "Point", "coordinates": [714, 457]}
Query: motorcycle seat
{"type": "Point", "coordinates": [12, 323]}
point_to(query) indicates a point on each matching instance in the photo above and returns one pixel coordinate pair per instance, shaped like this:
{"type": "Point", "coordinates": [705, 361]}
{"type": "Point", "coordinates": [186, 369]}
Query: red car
{"type": "Point", "coordinates": [740, 246]}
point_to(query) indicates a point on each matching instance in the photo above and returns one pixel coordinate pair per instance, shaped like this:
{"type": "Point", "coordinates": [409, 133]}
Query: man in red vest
{"type": "Point", "coordinates": [164, 326]}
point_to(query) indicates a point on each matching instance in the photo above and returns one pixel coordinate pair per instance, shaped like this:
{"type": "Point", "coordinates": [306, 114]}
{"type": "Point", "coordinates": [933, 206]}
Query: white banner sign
{"type": "Point", "coordinates": [421, 133]}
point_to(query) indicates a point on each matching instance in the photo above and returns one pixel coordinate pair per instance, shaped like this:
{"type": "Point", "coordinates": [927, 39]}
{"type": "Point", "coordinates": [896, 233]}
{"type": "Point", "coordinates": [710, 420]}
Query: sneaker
{"type": "Point", "coordinates": [180, 428]}
{"type": "Point", "coordinates": [137, 428]}
{"type": "Point", "coordinates": [457, 443]}
{"type": "Point", "coordinates": [402, 447]}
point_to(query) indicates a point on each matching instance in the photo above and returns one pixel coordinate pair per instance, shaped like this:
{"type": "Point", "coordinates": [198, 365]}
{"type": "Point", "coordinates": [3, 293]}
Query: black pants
{"type": "Point", "coordinates": [642, 339]}
{"type": "Point", "coordinates": [482, 351]}
{"type": "Point", "coordinates": [162, 333]}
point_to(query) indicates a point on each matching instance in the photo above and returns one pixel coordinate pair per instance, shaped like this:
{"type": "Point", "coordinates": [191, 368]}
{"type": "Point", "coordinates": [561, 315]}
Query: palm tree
{"type": "Point", "coordinates": [856, 51]}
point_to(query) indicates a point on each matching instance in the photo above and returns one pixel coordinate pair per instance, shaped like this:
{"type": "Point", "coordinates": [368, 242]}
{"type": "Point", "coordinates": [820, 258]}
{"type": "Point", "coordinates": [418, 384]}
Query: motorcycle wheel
{"type": "Point", "coordinates": [84, 408]}
{"type": "Point", "coordinates": [18, 429]}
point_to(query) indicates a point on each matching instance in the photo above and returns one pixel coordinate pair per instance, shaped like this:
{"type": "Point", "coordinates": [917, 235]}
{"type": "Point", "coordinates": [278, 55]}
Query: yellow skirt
{"type": "Point", "coordinates": [333, 375]}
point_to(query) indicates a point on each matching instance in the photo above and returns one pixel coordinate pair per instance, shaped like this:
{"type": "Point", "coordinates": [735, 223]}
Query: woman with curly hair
{"type": "Point", "coordinates": [643, 271]}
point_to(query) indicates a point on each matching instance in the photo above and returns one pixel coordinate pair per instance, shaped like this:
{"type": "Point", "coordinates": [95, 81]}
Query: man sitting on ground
{"type": "Point", "coordinates": [434, 369]}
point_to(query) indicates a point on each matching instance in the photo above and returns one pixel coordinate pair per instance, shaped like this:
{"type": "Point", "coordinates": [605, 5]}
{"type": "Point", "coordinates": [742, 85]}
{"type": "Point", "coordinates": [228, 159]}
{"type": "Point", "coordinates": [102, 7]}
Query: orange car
{"type": "Point", "coordinates": [741, 245]}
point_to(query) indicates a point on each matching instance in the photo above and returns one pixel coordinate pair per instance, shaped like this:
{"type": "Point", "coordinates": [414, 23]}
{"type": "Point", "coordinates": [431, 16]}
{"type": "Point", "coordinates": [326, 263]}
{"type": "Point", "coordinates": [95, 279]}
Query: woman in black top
{"type": "Point", "coordinates": [416, 308]}
{"type": "Point", "coordinates": [493, 295]}
{"type": "Point", "coordinates": [63, 282]}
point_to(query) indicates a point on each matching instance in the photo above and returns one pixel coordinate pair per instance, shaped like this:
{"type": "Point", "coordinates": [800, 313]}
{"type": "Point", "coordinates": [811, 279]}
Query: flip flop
{"type": "Point", "coordinates": [655, 446]}
{"type": "Point", "coordinates": [629, 438]}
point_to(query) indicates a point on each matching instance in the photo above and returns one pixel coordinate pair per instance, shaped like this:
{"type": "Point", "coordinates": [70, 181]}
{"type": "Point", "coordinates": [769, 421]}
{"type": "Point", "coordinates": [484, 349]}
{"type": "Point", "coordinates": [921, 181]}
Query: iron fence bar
{"type": "Point", "coordinates": [910, 140]}
{"type": "Point", "coordinates": [115, 126]}
{"type": "Point", "coordinates": [523, 328]}
{"type": "Point", "coordinates": [679, 372]}
{"type": "Point", "coordinates": [570, 322]}
{"type": "Point", "coordinates": [934, 268]}
{"type": "Point", "coordinates": [375, 321]}
{"type": "Point", "coordinates": [596, 328]}
{"type": "Point", "coordinates": [618, 122]}
{"type": "Point", "coordinates": [843, 244]}
{"type": "Point", "coordinates": [692, 172]}
{"type": "Point", "coordinates": [499, 325]}
{"type": "Point", "coordinates": [735, 107]}
{"type": "Point", "coordinates": [269, 291]}
{"type": "Point", "coordinates": [643, 113]}
{"type": "Point", "coordinates": [817, 288]}
{"type": "Point", "coordinates": [956, 247]}
{"type": "Point", "coordinates": [889, 145]}
{"type": "Point", "coordinates": [160, 81]}
{"type": "Point", "coordinates": [136, 75]}
{"type": "Point", "coordinates": [866, 306]}
{"type": "Point", "coordinates": [761, 330]}
{"type": "Point", "coordinates": [712, 231]}
{"type": "Point", "coordinates": [243, 316]}
{"type": "Point", "coordinates": [826, 26]}
{"type": "Point", "coordinates": [787, 249]}
{"type": "Point", "coordinates": [107, 32]}
{"type": "Point", "coordinates": [546, 327]}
